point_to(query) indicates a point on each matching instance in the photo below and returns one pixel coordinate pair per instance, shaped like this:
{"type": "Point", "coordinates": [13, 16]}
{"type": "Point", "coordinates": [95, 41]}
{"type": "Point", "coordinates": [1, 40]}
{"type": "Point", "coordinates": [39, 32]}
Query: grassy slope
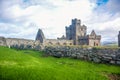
{"type": "Point", "coordinates": [30, 65]}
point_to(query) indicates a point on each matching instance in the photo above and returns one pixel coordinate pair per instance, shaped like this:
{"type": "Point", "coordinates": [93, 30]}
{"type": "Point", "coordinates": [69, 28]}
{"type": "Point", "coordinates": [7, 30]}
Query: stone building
{"type": "Point", "coordinates": [78, 33]}
{"type": "Point", "coordinates": [60, 41]}
{"type": "Point", "coordinates": [119, 39]}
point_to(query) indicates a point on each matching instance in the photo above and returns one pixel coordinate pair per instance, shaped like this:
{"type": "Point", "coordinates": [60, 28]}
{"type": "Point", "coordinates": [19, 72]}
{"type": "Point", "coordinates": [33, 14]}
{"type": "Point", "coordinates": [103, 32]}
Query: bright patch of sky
{"type": "Point", "coordinates": [101, 2]}
{"type": "Point", "coordinates": [22, 18]}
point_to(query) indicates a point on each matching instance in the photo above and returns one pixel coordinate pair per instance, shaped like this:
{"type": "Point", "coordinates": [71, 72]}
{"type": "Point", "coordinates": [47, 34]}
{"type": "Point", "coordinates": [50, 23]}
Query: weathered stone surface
{"type": "Point", "coordinates": [40, 36]}
{"type": "Point", "coordinates": [109, 56]}
{"type": "Point", "coordinates": [2, 41]}
{"type": "Point", "coordinates": [78, 33]}
{"type": "Point", "coordinates": [21, 43]}
{"type": "Point", "coordinates": [112, 62]}
{"type": "Point", "coordinates": [119, 39]}
{"type": "Point", "coordinates": [118, 62]}
{"type": "Point", "coordinates": [97, 60]}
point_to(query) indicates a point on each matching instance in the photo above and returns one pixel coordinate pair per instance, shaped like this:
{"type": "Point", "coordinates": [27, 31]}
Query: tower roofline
{"type": "Point", "coordinates": [93, 33]}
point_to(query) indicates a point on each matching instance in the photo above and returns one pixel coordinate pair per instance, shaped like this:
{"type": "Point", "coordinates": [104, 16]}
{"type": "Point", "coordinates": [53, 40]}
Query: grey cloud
{"type": "Point", "coordinates": [43, 3]}
{"type": "Point", "coordinates": [8, 3]}
{"type": "Point", "coordinates": [4, 4]}
{"type": "Point", "coordinates": [18, 31]}
{"type": "Point", "coordinates": [109, 34]}
{"type": "Point", "coordinates": [6, 14]}
{"type": "Point", "coordinates": [9, 28]}
{"type": "Point", "coordinates": [113, 6]}
{"type": "Point", "coordinates": [105, 12]}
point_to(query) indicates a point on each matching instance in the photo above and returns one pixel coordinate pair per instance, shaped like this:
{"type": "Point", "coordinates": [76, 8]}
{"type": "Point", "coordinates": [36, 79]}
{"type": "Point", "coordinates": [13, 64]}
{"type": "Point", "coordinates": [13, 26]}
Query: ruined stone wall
{"type": "Point", "coordinates": [83, 40]}
{"type": "Point", "coordinates": [21, 43]}
{"type": "Point", "coordinates": [2, 41]}
{"type": "Point", "coordinates": [98, 55]}
{"type": "Point", "coordinates": [47, 42]}
{"type": "Point", "coordinates": [14, 41]}
{"type": "Point", "coordinates": [78, 33]}
{"type": "Point", "coordinates": [94, 42]}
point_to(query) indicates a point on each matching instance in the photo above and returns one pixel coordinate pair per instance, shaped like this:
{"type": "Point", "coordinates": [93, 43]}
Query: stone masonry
{"type": "Point", "coordinates": [40, 36]}
{"type": "Point", "coordinates": [98, 55]}
{"type": "Point", "coordinates": [119, 39]}
{"type": "Point", "coordinates": [21, 43]}
{"type": "Point", "coordinates": [78, 33]}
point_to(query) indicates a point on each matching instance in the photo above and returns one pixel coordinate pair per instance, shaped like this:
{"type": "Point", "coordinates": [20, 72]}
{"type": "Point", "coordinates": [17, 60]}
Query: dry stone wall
{"type": "Point", "coordinates": [21, 43]}
{"type": "Point", "coordinates": [98, 55]}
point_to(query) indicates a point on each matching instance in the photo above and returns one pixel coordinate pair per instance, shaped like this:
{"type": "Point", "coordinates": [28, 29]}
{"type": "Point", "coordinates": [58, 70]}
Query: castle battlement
{"type": "Point", "coordinates": [76, 21]}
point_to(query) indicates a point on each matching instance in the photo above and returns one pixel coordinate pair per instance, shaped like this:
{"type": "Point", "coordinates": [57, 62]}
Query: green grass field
{"type": "Point", "coordinates": [31, 65]}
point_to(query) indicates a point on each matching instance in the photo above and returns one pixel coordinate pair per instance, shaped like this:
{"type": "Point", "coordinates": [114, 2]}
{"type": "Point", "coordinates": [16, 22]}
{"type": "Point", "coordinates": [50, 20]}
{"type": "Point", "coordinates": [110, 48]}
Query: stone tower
{"type": "Point", "coordinates": [40, 36]}
{"type": "Point", "coordinates": [119, 39]}
{"type": "Point", "coordinates": [75, 30]}
{"type": "Point", "coordinates": [77, 33]}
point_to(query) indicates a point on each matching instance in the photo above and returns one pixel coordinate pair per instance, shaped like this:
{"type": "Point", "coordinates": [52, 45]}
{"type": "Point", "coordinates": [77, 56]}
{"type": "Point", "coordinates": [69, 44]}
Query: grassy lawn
{"type": "Point", "coordinates": [31, 65]}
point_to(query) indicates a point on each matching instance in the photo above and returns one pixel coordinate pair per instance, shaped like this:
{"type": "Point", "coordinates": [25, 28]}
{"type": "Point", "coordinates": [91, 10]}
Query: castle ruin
{"type": "Point", "coordinates": [76, 34]}
{"type": "Point", "coordinates": [46, 42]}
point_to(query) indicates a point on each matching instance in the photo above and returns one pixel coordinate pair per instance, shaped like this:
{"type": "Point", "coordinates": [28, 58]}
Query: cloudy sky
{"type": "Point", "coordinates": [22, 18]}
